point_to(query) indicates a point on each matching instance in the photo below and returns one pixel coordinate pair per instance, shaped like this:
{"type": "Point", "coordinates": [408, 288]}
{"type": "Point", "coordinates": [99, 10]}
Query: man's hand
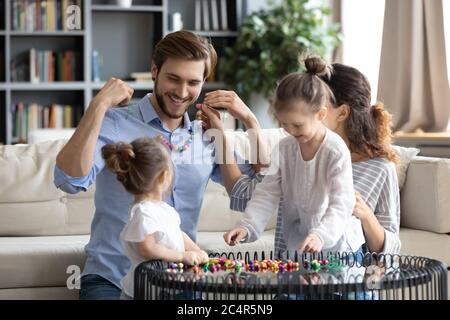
{"type": "Point", "coordinates": [230, 101]}
{"type": "Point", "coordinates": [115, 92]}
{"type": "Point", "coordinates": [312, 244]}
{"type": "Point", "coordinates": [235, 236]}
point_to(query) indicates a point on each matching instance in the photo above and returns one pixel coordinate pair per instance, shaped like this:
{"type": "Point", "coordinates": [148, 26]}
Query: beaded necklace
{"type": "Point", "coordinates": [181, 147]}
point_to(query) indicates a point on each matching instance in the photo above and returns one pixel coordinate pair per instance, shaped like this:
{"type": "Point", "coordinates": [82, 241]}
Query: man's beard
{"type": "Point", "coordinates": [163, 107]}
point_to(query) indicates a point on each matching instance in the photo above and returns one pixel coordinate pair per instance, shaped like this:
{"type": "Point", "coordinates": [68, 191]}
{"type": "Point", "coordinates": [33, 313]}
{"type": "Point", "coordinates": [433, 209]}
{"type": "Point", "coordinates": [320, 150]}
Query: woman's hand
{"type": "Point", "coordinates": [312, 244]}
{"type": "Point", "coordinates": [209, 117]}
{"type": "Point", "coordinates": [230, 101]}
{"type": "Point", "coordinates": [361, 209]}
{"type": "Point", "coordinates": [235, 236]}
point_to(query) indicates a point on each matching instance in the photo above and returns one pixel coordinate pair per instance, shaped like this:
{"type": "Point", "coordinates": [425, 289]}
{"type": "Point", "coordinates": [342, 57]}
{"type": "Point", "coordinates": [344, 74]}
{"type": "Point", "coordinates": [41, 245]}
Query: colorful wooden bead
{"type": "Point", "coordinates": [238, 265]}
{"type": "Point", "coordinates": [315, 265]}
{"type": "Point", "coordinates": [306, 265]}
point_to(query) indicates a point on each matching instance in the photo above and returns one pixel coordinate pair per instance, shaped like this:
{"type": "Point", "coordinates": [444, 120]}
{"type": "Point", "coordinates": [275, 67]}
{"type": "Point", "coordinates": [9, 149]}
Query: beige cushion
{"type": "Point", "coordinates": [216, 215]}
{"type": "Point", "coordinates": [42, 293]}
{"type": "Point", "coordinates": [241, 142]}
{"type": "Point", "coordinates": [425, 198]}
{"type": "Point", "coordinates": [30, 204]}
{"type": "Point", "coordinates": [39, 261]}
{"type": "Point", "coordinates": [405, 157]}
{"type": "Point", "coordinates": [425, 244]}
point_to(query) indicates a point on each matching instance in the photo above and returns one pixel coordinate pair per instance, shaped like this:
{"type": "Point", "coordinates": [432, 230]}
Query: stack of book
{"type": "Point", "coordinates": [41, 15]}
{"type": "Point", "coordinates": [28, 117]}
{"type": "Point", "coordinates": [46, 66]}
{"type": "Point", "coordinates": [142, 76]}
{"type": "Point", "coordinates": [211, 15]}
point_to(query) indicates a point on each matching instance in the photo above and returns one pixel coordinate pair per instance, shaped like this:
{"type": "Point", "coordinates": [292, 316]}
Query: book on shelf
{"type": "Point", "coordinates": [215, 15]}
{"type": "Point", "coordinates": [205, 10]}
{"type": "Point", "coordinates": [45, 66]}
{"type": "Point", "coordinates": [198, 15]}
{"type": "Point", "coordinates": [207, 14]}
{"type": "Point", "coordinates": [20, 67]}
{"type": "Point", "coordinates": [142, 76]}
{"type": "Point", "coordinates": [224, 14]}
{"type": "Point", "coordinates": [40, 15]}
{"type": "Point", "coordinates": [32, 116]}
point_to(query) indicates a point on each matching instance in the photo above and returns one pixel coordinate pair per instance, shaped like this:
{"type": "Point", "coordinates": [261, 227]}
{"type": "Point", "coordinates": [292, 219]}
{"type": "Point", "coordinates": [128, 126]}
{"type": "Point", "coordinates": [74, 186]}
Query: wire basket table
{"type": "Point", "coordinates": [358, 277]}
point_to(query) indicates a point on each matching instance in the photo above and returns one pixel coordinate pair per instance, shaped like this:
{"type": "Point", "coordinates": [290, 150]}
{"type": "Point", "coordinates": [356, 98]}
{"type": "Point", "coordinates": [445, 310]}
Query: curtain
{"type": "Point", "coordinates": [413, 81]}
{"type": "Point", "coordinates": [336, 17]}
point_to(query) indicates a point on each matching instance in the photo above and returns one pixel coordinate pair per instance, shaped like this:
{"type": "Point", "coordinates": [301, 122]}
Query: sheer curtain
{"type": "Point", "coordinates": [413, 80]}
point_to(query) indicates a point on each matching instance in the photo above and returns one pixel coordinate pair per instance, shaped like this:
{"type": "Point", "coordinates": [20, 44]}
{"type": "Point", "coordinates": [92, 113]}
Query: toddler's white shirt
{"type": "Point", "coordinates": [148, 218]}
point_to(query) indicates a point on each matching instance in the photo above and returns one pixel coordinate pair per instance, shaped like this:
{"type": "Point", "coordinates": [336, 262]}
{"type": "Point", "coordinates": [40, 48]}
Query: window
{"type": "Point", "coordinates": [362, 26]}
{"type": "Point", "coordinates": [446, 4]}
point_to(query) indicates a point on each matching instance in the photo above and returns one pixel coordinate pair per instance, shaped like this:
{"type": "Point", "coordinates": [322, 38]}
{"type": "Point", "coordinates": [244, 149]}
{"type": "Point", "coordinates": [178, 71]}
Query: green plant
{"type": "Point", "coordinates": [272, 42]}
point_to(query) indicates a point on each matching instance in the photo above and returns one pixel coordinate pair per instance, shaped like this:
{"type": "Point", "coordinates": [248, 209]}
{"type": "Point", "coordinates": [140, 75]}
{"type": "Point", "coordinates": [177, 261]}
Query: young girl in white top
{"type": "Point", "coordinates": [153, 230]}
{"type": "Point", "coordinates": [311, 169]}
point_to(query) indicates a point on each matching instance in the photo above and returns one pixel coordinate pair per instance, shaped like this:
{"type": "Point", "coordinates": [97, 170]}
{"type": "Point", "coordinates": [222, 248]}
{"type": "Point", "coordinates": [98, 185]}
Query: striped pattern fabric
{"type": "Point", "coordinates": [374, 179]}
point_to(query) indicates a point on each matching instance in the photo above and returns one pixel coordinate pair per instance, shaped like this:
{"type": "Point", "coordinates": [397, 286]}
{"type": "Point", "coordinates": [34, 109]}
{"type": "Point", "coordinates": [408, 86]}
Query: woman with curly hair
{"type": "Point", "coordinates": [365, 128]}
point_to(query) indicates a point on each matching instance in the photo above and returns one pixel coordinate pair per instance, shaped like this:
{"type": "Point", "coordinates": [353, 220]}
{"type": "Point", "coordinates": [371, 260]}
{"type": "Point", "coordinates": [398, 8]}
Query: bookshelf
{"type": "Point", "coordinates": [123, 38]}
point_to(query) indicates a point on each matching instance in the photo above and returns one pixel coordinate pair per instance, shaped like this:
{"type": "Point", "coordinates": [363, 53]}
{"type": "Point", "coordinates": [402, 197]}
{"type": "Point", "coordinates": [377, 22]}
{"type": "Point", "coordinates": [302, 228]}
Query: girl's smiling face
{"type": "Point", "coordinates": [299, 122]}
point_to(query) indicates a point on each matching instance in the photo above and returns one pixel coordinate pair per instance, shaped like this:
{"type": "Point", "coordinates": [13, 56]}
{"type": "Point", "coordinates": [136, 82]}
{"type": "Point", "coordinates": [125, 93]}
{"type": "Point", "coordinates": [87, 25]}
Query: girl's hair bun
{"type": "Point", "coordinates": [318, 67]}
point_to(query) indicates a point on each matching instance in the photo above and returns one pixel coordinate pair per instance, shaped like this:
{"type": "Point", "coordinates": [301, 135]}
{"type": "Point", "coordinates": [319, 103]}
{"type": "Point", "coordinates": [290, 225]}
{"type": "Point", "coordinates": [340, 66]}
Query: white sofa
{"type": "Point", "coordinates": [43, 230]}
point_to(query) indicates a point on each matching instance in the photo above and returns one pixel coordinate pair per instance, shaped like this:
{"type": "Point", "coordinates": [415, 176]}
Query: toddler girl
{"type": "Point", "coordinates": [153, 230]}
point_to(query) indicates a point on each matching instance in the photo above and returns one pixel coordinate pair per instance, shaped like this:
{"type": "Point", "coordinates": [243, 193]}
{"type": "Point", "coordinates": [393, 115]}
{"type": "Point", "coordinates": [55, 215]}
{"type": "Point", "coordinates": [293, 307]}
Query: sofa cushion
{"type": "Point", "coordinates": [39, 261]}
{"type": "Point", "coordinates": [425, 244]}
{"type": "Point", "coordinates": [425, 201]}
{"type": "Point", "coordinates": [405, 156]}
{"type": "Point", "coordinates": [216, 215]}
{"type": "Point", "coordinates": [241, 142]}
{"type": "Point", "coordinates": [39, 293]}
{"type": "Point", "coordinates": [30, 204]}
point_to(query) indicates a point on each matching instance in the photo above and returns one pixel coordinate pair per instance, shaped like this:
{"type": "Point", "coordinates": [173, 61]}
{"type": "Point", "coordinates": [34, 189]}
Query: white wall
{"type": "Point", "coordinates": [257, 103]}
{"type": "Point", "coordinates": [255, 5]}
{"type": "Point", "coordinates": [362, 24]}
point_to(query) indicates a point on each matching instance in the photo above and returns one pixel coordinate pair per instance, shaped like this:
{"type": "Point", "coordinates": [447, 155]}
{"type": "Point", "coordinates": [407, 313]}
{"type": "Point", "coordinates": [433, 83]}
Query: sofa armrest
{"type": "Point", "coordinates": [425, 200]}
